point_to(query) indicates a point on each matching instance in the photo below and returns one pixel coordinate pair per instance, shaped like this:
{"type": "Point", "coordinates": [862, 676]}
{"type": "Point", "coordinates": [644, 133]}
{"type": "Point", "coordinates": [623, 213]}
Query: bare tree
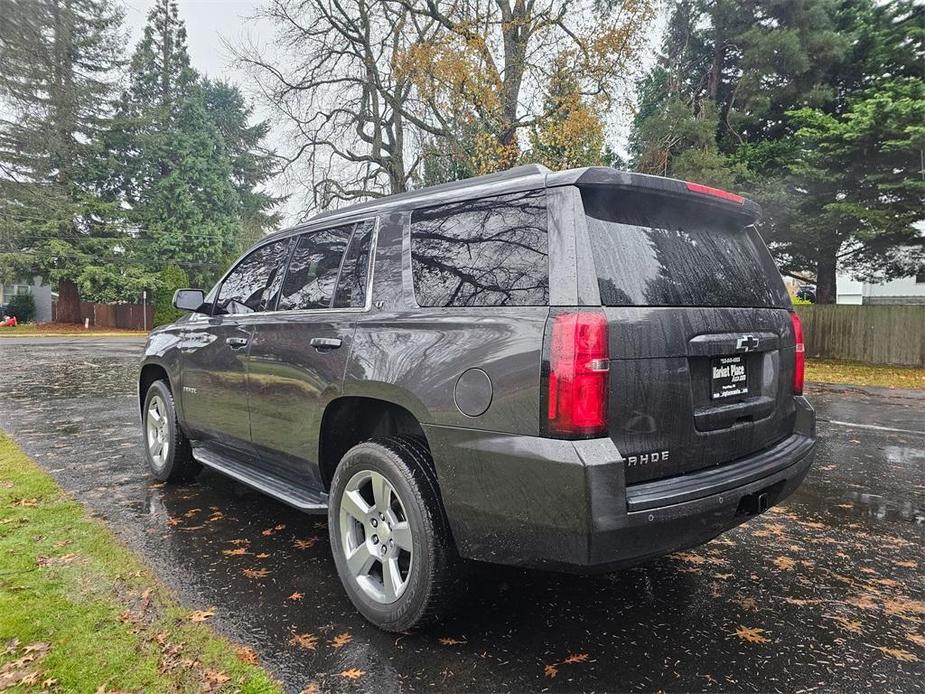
{"type": "Point", "coordinates": [368, 87]}
{"type": "Point", "coordinates": [330, 78]}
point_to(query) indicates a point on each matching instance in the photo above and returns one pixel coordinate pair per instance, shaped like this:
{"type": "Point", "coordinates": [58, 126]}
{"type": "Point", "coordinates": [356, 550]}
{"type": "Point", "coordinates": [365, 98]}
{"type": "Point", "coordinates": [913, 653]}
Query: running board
{"type": "Point", "coordinates": [306, 500]}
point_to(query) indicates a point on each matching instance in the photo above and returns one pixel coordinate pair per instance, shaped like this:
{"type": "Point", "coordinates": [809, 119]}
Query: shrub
{"type": "Point", "coordinates": [797, 301]}
{"type": "Point", "coordinates": [170, 279]}
{"type": "Point", "coordinates": [22, 306]}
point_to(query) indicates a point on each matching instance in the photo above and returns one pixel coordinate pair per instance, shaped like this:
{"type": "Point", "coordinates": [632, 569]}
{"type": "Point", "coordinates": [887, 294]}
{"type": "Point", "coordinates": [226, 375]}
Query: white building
{"type": "Point", "coordinates": [41, 296]}
{"type": "Point", "coordinates": [908, 290]}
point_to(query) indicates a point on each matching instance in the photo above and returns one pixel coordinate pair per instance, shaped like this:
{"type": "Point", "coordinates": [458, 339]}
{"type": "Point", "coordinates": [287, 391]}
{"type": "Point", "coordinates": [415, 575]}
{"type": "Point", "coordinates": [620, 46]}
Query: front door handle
{"type": "Point", "coordinates": [323, 343]}
{"type": "Point", "coordinates": [236, 342]}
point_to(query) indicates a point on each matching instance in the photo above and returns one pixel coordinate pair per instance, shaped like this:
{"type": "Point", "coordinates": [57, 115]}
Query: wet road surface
{"type": "Point", "coordinates": [823, 592]}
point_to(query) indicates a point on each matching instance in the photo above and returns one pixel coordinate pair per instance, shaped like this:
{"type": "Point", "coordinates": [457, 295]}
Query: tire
{"type": "Point", "coordinates": [176, 464]}
{"type": "Point", "coordinates": [423, 580]}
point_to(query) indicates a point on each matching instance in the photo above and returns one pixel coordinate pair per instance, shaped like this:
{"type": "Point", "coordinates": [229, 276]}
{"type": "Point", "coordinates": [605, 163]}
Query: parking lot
{"type": "Point", "coordinates": [823, 592]}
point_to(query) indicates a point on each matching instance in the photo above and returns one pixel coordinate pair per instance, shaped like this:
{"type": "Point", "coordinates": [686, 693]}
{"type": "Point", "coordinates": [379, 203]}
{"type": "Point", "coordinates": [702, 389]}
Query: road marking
{"type": "Point", "coordinates": [873, 426]}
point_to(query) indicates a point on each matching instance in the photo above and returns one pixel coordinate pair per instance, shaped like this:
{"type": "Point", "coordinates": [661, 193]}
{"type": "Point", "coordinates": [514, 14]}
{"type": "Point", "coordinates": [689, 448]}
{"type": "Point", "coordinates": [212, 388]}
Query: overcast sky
{"type": "Point", "coordinates": [207, 22]}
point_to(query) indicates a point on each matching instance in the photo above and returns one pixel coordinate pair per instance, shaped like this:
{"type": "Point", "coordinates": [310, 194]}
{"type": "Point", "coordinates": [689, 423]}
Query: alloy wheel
{"type": "Point", "coordinates": [376, 536]}
{"type": "Point", "coordinates": [158, 433]}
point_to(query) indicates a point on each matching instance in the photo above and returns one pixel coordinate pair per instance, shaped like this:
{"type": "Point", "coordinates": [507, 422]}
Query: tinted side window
{"type": "Point", "coordinates": [313, 269]}
{"type": "Point", "coordinates": [487, 252]}
{"type": "Point", "coordinates": [250, 285]}
{"type": "Point", "coordinates": [351, 288]}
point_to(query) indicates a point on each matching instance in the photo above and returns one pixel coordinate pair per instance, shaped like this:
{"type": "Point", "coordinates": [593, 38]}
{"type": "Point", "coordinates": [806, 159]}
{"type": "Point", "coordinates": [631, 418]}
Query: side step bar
{"type": "Point", "coordinates": [306, 500]}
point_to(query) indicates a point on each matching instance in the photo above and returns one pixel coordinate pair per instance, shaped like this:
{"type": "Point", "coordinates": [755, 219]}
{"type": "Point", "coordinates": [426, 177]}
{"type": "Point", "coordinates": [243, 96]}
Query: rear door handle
{"type": "Point", "coordinates": [235, 342]}
{"type": "Point", "coordinates": [322, 343]}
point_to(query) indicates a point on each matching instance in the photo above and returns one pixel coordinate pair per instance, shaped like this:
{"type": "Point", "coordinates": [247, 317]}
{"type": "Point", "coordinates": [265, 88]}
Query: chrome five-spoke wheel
{"type": "Point", "coordinates": [376, 536]}
{"type": "Point", "coordinates": [158, 431]}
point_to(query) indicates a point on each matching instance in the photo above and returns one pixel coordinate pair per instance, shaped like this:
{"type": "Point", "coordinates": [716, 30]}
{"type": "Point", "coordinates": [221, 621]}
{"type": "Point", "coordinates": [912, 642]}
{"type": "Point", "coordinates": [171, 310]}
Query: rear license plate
{"type": "Point", "coordinates": [728, 377]}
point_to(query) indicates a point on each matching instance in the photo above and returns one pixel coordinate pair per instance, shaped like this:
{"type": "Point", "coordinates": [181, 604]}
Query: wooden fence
{"type": "Point", "coordinates": [124, 316]}
{"type": "Point", "coordinates": [869, 334]}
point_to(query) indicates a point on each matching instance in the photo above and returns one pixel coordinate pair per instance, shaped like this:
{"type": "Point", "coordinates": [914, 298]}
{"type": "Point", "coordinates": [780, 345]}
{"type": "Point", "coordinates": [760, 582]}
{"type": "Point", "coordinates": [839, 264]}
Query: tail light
{"type": "Point", "coordinates": [799, 361]}
{"type": "Point", "coordinates": [578, 376]}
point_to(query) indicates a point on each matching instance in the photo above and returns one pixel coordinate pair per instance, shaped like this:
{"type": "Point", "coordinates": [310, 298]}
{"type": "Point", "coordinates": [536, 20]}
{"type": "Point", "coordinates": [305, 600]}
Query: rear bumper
{"type": "Point", "coordinates": [565, 504]}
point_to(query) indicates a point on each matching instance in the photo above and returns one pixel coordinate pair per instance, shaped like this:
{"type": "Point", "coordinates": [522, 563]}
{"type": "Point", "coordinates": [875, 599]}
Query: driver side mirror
{"type": "Point", "coordinates": [188, 299]}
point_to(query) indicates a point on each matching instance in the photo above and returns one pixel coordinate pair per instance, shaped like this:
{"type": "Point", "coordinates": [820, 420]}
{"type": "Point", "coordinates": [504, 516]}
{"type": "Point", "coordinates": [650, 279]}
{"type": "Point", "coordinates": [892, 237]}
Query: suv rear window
{"type": "Point", "coordinates": [486, 252]}
{"type": "Point", "coordinates": [653, 250]}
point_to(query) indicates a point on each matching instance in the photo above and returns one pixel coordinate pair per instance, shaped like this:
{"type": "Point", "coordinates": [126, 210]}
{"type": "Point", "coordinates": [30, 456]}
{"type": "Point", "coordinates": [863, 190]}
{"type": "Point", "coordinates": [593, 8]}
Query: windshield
{"type": "Point", "coordinates": [652, 250]}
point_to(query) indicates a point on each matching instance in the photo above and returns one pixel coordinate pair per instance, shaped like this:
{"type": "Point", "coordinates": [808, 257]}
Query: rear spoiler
{"type": "Point", "coordinates": [599, 176]}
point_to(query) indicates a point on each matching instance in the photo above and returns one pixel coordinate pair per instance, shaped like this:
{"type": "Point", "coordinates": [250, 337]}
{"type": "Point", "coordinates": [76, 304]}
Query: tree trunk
{"type": "Point", "coordinates": [826, 290]}
{"type": "Point", "coordinates": [68, 303]}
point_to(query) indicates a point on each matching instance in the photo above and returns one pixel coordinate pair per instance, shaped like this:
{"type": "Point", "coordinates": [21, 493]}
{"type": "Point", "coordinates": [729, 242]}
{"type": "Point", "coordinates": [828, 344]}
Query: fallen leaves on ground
{"type": "Point", "coordinates": [917, 639]}
{"type": "Point", "coordinates": [784, 563]}
{"type": "Point", "coordinates": [255, 573]}
{"type": "Point", "coordinates": [751, 634]}
{"type": "Point", "coordinates": [307, 642]}
{"type": "Point", "coordinates": [852, 626]}
{"type": "Point", "coordinates": [899, 654]}
{"type": "Point", "coordinates": [26, 502]}
{"type": "Point", "coordinates": [305, 543]}
{"type": "Point", "coordinates": [246, 654]}
{"type": "Point", "coordinates": [353, 673]}
{"type": "Point", "coordinates": [296, 596]}
{"type": "Point", "coordinates": [272, 531]}
{"type": "Point", "coordinates": [341, 640]}
{"type": "Point", "coordinates": [746, 603]}
{"type": "Point", "coordinates": [311, 688]}
{"type": "Point", "coordinates": [202, 615]}
{"type": "Point", "coordinates": [23, 670]}
{"type": "Point", "coordinates": [449, 641]}
{"type": "Point", "coordinates": [56, 561]}
{"type": "Point", "coordinates": [236, 552]}
{"type": "Point", "coordinates": [550, 670]}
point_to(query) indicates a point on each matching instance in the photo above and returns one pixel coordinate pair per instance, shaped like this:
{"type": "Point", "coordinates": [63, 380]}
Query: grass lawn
{"type": "Point", "coordinates": [855, 374]}
{"type": "Point", "coordinates": [80, 613]}
{"type": "Point", "coordinates": [62, 330]}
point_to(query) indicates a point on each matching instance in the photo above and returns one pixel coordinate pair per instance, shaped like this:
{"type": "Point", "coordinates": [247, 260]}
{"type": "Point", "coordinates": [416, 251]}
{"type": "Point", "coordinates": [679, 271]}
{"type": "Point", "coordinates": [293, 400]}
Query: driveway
{"type": "Point", "coordinates": [825, 591]}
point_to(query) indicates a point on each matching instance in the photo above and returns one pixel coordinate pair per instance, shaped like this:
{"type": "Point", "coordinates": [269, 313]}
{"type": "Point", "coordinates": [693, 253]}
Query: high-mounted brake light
{"type": "Point", "coordinates": [715, 192]}
{"type": "Point", "coordinates": [578, 375]}
{"type": "Point", "coordinates": [799, 354]}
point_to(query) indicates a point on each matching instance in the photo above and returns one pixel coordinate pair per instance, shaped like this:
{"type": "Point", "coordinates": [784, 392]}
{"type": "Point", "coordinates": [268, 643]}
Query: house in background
{"type": "Point", "coordinates": [907, 290]}
{"type": "Point", "coordinates": [41, 296]}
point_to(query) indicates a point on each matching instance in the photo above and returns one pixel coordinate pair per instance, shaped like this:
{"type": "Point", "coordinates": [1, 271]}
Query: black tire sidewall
{"type": "Point", "coordinates": [404, 612]}
{"type": "Point", "coordinates": [163, 473]}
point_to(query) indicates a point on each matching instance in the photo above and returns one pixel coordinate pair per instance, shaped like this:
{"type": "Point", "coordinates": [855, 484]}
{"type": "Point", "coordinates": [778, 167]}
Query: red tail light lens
{"type": "Point", "coordinates": [578, 375]}
{"type": "Point", "coordinates": [715, 192]}
{"type": "Point", "coordinates": [799, 362]}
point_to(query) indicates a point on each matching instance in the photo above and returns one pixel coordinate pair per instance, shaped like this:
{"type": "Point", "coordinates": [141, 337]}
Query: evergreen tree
{"type": "Point", "coordinates": [252, 165]}
{"type": "Point", "coordinates": [764, 97]}
{"type": "Point", "coordinates": [59, 60]}
{"type": "Point", "coordinates": [174, 169]}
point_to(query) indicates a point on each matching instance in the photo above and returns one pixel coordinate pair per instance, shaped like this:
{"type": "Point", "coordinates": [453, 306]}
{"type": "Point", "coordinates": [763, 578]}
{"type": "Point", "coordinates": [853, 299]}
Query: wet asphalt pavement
{"type": "Point", "coordinates": [823, 592]}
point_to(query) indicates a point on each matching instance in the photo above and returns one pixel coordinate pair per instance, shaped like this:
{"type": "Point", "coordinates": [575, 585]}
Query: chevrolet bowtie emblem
{"type": "Point", "coordinates": [746, 343]}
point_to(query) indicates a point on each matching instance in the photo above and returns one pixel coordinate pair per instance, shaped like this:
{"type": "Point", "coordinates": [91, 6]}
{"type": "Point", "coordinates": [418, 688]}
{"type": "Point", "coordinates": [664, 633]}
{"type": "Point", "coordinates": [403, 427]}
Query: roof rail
{"type": "Point", "coordinates": [506, 175]}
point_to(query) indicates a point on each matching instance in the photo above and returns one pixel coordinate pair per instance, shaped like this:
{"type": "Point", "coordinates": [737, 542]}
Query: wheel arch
{"type": "Point", "coordinates": [151, 372]}
{"type": "Point", "coordinates": [351, 419]}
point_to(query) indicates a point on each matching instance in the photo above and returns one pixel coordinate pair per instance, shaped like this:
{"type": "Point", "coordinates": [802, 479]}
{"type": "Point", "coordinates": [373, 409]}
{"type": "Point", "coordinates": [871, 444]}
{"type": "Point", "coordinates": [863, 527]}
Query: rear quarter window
{"type": "Point", "coordinates": [487, 252]}
{"type": "Point", "coordinates": [653, 250]}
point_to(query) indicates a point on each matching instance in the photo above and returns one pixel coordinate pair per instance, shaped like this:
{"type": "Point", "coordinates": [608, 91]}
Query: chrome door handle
{"type": "Point", "coordinates": [322, 343]}
{"type": "Point", "coordinates": [235, 342]}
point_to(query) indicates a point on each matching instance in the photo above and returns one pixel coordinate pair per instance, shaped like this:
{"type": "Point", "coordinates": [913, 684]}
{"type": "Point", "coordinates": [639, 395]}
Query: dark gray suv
{"type": "Point", "coordinates": [577, 370]}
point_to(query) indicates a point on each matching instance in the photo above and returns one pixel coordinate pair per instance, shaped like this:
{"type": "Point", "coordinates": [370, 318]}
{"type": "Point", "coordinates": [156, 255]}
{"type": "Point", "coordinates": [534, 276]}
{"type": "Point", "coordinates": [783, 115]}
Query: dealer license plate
{"type": "Point", "coordinates": [728, 377]}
